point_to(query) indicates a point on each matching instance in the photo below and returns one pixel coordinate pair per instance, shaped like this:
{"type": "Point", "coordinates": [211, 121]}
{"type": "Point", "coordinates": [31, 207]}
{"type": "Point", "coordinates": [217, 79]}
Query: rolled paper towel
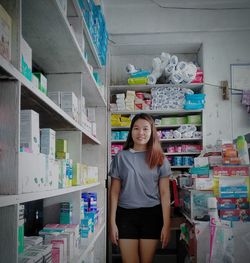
{"type": "Point", "coordinates": [189, 73]}
{"type": "Point", "coordinates": [174, 60]}
{"type": "Point", "coordinates": [177, 134]}
{"type": "Point", "coordinates": [152, 78]}
{"type": "Point", "coordinates": [169, 69]}
{"type": "Point", "coordinates": [156, 64]}
{"type": "Point", "coordinates": [182, 65]}
{"type": "Point", "coordinates": [165, 57]}
{"type": "Point", "coordinates": [176, 77]}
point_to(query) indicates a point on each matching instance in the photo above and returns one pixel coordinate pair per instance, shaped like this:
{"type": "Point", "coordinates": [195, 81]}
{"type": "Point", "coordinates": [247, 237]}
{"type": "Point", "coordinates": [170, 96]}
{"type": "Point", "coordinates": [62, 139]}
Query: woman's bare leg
{"type": "Point", "coordinates": [129, 250]}
{"type": "Point", "coordinates": [147, 250]}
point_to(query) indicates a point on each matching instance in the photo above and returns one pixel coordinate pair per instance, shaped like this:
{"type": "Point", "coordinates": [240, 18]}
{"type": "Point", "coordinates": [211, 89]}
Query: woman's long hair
{"type": "Point", "coordinates": [154, 154]}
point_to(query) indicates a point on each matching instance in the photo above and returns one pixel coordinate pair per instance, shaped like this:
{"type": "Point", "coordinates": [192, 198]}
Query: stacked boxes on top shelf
{"type": "Point", "coordinates": [94, 19]}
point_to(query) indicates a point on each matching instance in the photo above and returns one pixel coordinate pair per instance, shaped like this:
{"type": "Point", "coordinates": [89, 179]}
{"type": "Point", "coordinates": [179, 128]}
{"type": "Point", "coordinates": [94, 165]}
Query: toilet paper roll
{"type": "Point", "coordinates": [152, 79]}
{"type": "Point", "coordinates": [169, 69]}
{"type": "Point", "coordinates": [182, 65]}
{"type": "Point", "coordinates": [174, 60]}
{"type": "Point", "coordinates": [165, 57]}
{"type": "Point", "coordinates": [177, 134]}
{"type": "Point", "coordinates": [176, 77]}
{"type": "Point", "coordinates": [156, 64]}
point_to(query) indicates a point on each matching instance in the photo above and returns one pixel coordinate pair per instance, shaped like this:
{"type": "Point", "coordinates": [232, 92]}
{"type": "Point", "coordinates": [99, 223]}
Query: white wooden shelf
{"type": "Point", "coordinates": [43, 104]}
{"type": "Point", "coordinates": [84, 250]}
{"type": "Point", "coordinates": [182, 153]}
{"type": "Point", "coordinates": [89, 41]}
{"type": "Point", "coordinates": [6, 200]}
{"type": "Point", "coordinates": [166, 140]}
{"type": "Point", "coordinates": [159, 112]}
{"type": "Point", "coordinates": [181, 166]}
{"type": "Point", "coordinates": [146, 88]}
{"type": "Point", "coordinates": [157, 126]}
{"type": "Point", "coordinates": [54, 45]}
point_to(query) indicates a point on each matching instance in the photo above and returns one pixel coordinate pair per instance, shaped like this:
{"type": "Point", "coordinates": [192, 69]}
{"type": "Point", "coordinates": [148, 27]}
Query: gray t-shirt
{"type": "Point", "coordinates": [139, 183]}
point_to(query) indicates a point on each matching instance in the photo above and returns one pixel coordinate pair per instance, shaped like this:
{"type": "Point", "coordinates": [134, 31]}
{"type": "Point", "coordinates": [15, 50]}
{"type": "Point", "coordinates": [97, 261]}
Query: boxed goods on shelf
{"type": "Point", "coordinates": [55, 97]}
{"type": "Point", "coordinates": [48, 142]}
{"type": "Point", "coordinates": [29, 131]}
{"type": "Point", "coordinates": [5, 34]}
{"type": "Point", "coordinates": [26, 59]}
{"type": "Point", "coordinates": [35, 81]}
{"type": "Point", "coordinates": [42, 82]}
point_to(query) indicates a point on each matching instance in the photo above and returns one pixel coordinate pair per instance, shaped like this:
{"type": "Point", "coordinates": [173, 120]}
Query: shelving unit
{"type": "Point", "coordinates": [56, 53]}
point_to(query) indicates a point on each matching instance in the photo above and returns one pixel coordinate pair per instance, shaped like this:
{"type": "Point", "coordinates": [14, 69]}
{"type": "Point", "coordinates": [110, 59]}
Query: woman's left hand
{"type": "Point", "coordinates": [165, 236]}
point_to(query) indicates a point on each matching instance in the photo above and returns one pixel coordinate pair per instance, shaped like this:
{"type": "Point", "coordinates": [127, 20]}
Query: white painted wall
{"type": "Point", "coordinates": [225, 39]}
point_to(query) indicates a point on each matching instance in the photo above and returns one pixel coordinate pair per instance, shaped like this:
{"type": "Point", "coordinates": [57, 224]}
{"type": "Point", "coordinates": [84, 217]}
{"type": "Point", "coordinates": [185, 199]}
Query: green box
{"type": "Point", "coordinates": [20, 238]}
{"type": "Point", "coordinates": [42, 82]}
{"type": "Point", "coordinates": [61, 145]}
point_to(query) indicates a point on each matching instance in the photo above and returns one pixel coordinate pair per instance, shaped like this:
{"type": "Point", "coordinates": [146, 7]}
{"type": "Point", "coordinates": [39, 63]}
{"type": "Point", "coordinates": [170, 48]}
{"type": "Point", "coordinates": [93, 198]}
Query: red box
{"type": "Point", "coordinates": [231, 171]}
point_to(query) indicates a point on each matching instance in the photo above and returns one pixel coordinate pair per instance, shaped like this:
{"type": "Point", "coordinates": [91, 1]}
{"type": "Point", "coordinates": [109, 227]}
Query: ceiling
{"type": "Point", "coordinates": [132, 24]}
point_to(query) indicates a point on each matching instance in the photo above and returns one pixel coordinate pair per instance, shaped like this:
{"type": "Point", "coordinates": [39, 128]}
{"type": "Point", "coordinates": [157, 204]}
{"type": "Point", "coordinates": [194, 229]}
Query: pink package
{"type": "Point", "coordinates": [199, 77]}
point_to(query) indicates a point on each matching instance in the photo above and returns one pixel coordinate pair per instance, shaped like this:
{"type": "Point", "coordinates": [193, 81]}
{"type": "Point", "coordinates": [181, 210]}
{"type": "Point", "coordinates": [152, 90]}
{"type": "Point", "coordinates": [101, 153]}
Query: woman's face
{"type": "Point", "coordinates": [141, 133]}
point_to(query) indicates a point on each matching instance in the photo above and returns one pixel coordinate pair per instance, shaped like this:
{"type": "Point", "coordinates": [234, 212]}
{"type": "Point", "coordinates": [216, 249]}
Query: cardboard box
{"type": "Point", "coordinates": [32, 168]}
{"type": "Point", "coordinates": [55, 97]}
{"type": "Point", "coordinates": [26, 59]}
{"type": "Point", "coordinates": [29, 130]}
{"type": "Point", "coordinates": [42, 82]}
{"type": "Point", "coordinates": [5, 34]}
{"type": "Point", "coordinates": [91, 114]}
{"type": "Point", "coordinates": [48, 142]}
{"type": "Point", "coordinates": [35, 81]}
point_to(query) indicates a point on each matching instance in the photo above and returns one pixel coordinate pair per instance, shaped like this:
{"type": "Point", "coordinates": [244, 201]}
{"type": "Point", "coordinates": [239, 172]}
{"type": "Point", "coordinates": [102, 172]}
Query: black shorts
{"type": "Point", "coordinates": [139, 223]}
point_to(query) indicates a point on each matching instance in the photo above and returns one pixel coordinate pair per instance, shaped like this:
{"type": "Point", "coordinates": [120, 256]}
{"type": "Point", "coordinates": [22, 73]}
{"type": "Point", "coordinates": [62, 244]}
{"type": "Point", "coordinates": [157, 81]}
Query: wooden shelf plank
{"type": "Point", "coordinates": [146, 88]}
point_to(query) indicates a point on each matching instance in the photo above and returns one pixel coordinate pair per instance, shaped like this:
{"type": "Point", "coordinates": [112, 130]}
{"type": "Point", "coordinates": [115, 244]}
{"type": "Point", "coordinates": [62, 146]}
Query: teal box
{"type": "Point", "coordinates": [42, 82]}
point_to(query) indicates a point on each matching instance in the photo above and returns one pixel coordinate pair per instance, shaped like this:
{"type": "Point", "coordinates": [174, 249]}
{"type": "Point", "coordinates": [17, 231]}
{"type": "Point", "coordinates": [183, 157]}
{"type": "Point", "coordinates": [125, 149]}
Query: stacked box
{"type": "Point", "coordinates": [76, 174]}
{"type": "Point", "coordinates": [62, 149]}
{"type": "Point", "coordinates": [5, 34]}
{"type": "Point", "coordinates": [66, 213]}
{"type": "Point", "coordinates": [35, 81]}
{"type": "Point", "coordinates": [92, 175]}
{"type": "Point", "coordinates": [62, 173]}
{"type": "Point", "coordinates": [20, 229]}
{"type": "Point", "coordinates": [52, 174]}
{"type": "Point", "coordinates": [55, 97]}
{"type": "Point", "coordinates": [42, 82]}
{"type": "Point", "coordinates": [45, 250]}
{"type": "Point", "coordinates": [29, 131]}
{"type": "Point", "coordinates": [26, 59]}
{"type": "Point", "coordinates": [48, 142]}
{"type": "Point", "coordinates": [32, 168]}
{"type": "Point", "coordinates": [69, 104]}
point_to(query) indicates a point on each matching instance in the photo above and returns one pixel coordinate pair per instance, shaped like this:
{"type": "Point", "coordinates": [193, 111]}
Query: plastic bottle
{"type": "Point", "coordinates": [242, 150]}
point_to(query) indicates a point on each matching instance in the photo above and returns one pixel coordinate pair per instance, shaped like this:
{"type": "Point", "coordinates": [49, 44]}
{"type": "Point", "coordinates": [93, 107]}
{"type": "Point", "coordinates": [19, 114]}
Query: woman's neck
{"type": "Point", "coordinates": [140, 148]}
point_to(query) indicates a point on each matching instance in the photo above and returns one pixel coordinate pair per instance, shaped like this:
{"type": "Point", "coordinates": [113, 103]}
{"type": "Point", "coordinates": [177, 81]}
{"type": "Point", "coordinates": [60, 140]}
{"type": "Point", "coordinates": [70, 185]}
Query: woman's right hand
{"type": "Point", "coordinates": [113, 234]}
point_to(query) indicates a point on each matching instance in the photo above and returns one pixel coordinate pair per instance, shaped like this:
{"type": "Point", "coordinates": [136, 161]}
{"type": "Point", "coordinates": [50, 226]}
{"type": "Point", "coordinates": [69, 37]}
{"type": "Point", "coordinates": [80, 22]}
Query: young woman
{"type": "Point", "coordinates": [139, 194]}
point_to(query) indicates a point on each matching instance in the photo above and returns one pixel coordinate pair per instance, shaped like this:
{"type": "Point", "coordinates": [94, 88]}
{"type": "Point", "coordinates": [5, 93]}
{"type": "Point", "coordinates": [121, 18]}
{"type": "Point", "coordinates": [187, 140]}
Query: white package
{"type": "Point", "coordinates": [48, 142]}
{"type": "Point", "coordinates": [29, 130]}
{"type": "Point", "coordinates": [91, 114]}
{"type": "Point", "coordinates": [55, 97]}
